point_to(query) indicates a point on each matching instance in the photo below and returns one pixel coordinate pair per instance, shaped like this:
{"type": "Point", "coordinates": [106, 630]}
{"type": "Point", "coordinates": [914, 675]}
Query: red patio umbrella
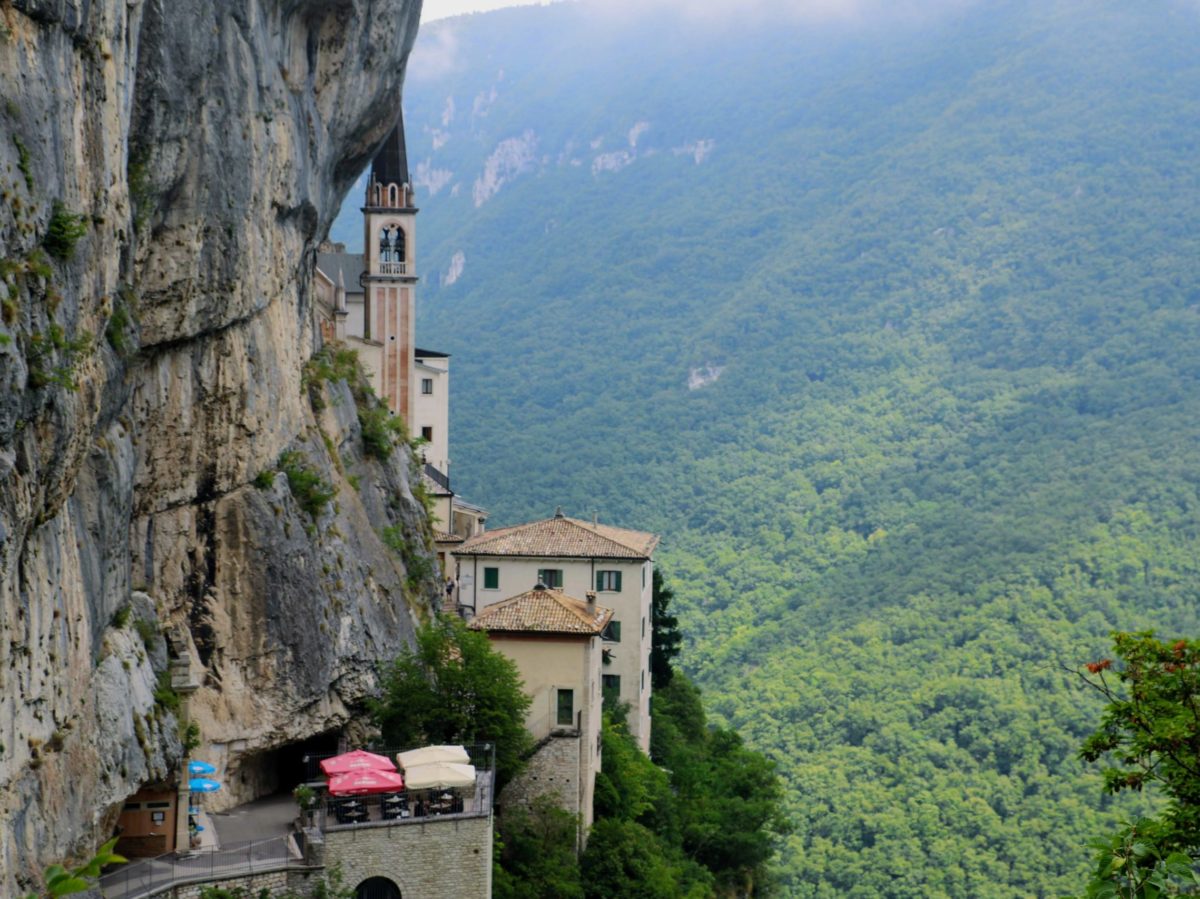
{"type": "Point", "coordinates": [358, 760]}
{"type": "Point", "coordinates": [360, 783]}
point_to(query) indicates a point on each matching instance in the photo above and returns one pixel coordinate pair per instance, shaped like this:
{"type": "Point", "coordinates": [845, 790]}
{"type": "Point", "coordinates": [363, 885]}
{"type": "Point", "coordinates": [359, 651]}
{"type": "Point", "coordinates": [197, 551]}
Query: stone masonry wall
{"type": "Point", "coordinates": [274, 881]}
{"type": "Point", "coordinates": [553, 771]}
{"type": "Point", "coordinates": [448, 859]}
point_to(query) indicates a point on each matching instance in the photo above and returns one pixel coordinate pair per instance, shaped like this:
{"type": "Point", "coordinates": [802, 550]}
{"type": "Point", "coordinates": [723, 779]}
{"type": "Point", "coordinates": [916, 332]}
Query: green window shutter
{"type": "Point", "coordinates": [599, 580]}
{"type": "Point", "coordinates": [617, 585]}
{"type": "Point", "coordinates": [491, 578]}
{"type": "Point", "coordinates": [566, 707]}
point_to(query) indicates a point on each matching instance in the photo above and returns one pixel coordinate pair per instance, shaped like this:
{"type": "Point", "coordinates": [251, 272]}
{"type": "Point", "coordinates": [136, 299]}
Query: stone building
{"type": "Point", "coordinates": [577, 557]}
{"type": "Point", "coordinates": [555, 642]}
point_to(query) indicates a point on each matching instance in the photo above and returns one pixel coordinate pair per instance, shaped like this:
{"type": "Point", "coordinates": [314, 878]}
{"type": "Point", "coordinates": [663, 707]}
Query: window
{"type": "Point", "coordinates": [612, 633]}
{"type": "Point", "coordinates": [608, 581]}
{"type": "Point", "coordinates": [551, 577]}
{"type": "Point", "coordinates": [491, 579]}
{"type": "Point", "coordinates": [643, 628]}
{"type": "Point", "coordinates": [644, 567]}
{"type": "Point", "coordinates": [566, 707]}
{"type": "Point", "coordinates": [427, 390]}
{"type": "Point", "coordinates": [391, 244]}
{"type": "Point", "coordinates": [427, 434]}
{"type": "Point", "coordinates": [611, 684]}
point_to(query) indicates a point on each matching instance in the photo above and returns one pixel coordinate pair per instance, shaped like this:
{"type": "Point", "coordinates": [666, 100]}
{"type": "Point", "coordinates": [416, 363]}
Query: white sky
{"type": "Point", "coordinates": [440, 9]}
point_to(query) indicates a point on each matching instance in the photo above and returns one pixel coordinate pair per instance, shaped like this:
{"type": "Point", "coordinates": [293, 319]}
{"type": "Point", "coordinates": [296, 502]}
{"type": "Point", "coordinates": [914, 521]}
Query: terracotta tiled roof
{"type": "Point", "coordinates": [563, 538]}
{"type": "Point", "coordinates": [543, 611]}
{"type": "Point", "coordinates": [444, 537]}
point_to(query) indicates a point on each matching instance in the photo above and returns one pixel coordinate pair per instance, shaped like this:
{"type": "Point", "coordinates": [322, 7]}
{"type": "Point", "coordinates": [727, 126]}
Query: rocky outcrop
{"type": "Point", "coordinates": [165, 172]}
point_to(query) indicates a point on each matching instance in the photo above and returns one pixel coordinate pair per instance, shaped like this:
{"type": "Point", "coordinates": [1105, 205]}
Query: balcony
{"type": "Point", "coordinates": [393, 268]}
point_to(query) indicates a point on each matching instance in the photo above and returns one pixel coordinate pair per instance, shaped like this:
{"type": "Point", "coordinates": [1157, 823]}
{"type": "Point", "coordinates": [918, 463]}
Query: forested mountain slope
{"type": "Point", "coordinates": [890, 328]}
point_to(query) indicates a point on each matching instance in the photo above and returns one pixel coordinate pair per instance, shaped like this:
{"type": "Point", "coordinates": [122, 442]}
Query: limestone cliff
{"type": "Point", "coordinates": [165, 171]}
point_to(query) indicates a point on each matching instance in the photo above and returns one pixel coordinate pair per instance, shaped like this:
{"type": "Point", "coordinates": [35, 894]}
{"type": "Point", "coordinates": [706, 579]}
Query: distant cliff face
{"type": "Point", "coordinates": [165, 169]}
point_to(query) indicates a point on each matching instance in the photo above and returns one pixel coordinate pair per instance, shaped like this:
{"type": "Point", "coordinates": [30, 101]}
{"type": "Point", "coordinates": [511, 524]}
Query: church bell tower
{"type": "Point", "coordinates": [389, 278]}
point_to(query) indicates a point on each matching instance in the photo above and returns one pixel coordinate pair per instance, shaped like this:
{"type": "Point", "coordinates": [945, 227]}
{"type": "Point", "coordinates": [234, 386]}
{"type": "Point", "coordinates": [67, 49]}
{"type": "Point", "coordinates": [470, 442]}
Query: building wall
{"type": "Point", "coordinates": [568, 762]}
{"type": "Point", "coordinates": [354, 314]}
{"type": "Point", "coordinates": [554, 771]}
{"type": "Point", "coordinates": [433, 411]}
{"type": "Point", "coordinates": [436, 860]}
{"type": "Point", "coordinates": [630, 658]}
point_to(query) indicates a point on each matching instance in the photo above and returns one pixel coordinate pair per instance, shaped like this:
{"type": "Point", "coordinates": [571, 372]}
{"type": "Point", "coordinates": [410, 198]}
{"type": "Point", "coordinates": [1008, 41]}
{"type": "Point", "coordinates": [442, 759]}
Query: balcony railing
{"type": "Point", "coordinates": [437, 477]}
{"type": "Point", "coordinates": [393, 268]}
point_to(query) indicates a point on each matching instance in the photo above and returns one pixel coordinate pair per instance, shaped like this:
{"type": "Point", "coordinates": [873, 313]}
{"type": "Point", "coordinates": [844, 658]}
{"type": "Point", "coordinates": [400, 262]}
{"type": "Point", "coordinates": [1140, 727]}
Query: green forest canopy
{"type": "Point", "coordinates": [949, 273]}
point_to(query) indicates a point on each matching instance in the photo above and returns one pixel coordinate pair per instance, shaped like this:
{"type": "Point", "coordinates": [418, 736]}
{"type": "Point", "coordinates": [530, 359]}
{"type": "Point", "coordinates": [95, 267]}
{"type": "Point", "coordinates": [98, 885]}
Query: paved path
{"type": "Point", "coordinates": [251, 837]}
{"type": "Point", "coordinates": [262, 819]}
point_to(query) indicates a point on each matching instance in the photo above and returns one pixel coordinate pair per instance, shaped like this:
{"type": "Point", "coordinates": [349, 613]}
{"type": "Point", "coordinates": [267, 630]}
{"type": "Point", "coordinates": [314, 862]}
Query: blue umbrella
{"type": "Point", "coordinates": [199, 767]}
{"type": "Point", "coordinates": [203, 785]}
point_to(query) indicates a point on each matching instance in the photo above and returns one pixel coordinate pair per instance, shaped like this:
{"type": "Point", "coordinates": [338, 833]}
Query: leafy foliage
{"type": "Point", "coordinates": [665, 637]}
{"type": "Point", "coordinates": [308, 488]}
{"type": "Point", "coordinates": [454, 688]}
{"type": "Point", "coordinates": [418, 566]}
{"type": "Point", "coordinates": [535, 847]}
{"type": "Point", "coordinates": [52, 357]}
{"type": "Point", "coordinates": [1151, 730]}
{"type": "Point", "coordinates": [63, 231]}
{"type": "Point", "coordinates": [946, 271]}
{"type": "Point", "coordinates": [63, 882]}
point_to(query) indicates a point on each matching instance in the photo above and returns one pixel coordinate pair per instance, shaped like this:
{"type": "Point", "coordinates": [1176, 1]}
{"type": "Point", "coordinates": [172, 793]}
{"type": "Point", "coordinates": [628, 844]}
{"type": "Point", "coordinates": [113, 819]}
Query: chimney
{"type": "Point", "coordinates": [591, 602]}
{"type": "Point", "coordinates": [558, 513]}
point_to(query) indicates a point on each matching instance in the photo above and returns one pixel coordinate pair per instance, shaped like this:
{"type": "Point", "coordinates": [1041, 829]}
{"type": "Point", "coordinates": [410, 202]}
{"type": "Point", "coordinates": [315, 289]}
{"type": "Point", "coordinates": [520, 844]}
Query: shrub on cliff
{"type": "Point", "coordinates": [454, 688]}
{"type": "Point", "coordinates": [310, 490]}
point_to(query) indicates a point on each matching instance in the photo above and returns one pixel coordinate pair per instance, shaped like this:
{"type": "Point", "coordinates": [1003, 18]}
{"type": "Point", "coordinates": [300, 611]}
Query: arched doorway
{"type": "Point", "coordinates": [377, 888]}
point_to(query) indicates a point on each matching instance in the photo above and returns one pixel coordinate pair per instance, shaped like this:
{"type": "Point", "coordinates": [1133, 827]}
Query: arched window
{"type": "Point", "coordinates": [398, 244]}
{"type": "Point", "coordinates": [385, 245]}
{"type": "Point", "coordinates": [378, 194]}
{"type": "Point", "coordinates": [393, 197]}
{"type": "Point", "coordinates": [377, 888]}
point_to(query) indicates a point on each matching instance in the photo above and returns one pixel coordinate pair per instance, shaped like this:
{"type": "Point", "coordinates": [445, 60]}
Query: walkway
{"type": "Point", "coordinates": [262, 819]}
{"type": "Point", "coordinates": [250, 837]}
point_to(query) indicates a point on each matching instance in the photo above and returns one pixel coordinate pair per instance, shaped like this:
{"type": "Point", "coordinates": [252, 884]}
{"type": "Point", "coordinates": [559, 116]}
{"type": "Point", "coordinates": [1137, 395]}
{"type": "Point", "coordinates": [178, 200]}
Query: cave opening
{"type": "Point", "coordinates": [281, 770]}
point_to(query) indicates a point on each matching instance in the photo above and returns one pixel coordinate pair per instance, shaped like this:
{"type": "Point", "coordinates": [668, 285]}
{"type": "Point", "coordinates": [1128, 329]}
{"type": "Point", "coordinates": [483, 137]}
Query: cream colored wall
{"type": "Point", "coordinates": [630, 658]}
{"type": "Point", "coordinates": [434, 411]}
{"type": "Point", "coordinates": [548, 664]}
{"type": "Point", "coordinates": [354, 314]}
{"type": "Point", "coordinates": [370, 354]}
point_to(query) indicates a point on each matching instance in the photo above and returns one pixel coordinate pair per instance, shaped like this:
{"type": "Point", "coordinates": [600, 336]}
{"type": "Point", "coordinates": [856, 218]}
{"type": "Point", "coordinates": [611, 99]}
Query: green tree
{"type": "Point", "coordinates": [536, 852]}
{"type": "Point", "coordinates": [1150, 732]}
{"type": "Point", "coordinates": [625, 860]}
{"type": "Point", "coordinates": [664, 636]}
{"type": "Point", "coordinates": [728, 799]}
{"type": "Point", "coordinates": [452, 687]}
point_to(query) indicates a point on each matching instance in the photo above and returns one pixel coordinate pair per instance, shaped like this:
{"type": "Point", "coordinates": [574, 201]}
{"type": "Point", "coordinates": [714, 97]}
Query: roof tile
{"type": "Point", "coordinates": [562, 537]}
{"type": "Point", "coordinates": [543, 611]}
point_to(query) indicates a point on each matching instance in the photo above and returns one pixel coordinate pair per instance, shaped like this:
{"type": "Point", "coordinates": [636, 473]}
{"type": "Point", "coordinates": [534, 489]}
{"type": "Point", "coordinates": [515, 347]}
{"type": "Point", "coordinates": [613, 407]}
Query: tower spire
{"type": "Point", "coordinates": [390, 165]}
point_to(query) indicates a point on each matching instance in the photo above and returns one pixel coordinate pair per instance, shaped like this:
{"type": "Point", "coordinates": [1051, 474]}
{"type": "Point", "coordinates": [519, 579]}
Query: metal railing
{"type": "Point", "coordinates": [149, 877]}
{"type": "Point", "coordinates": [407, 806]}
{"type": "Point", "coordinates": [442, 480]}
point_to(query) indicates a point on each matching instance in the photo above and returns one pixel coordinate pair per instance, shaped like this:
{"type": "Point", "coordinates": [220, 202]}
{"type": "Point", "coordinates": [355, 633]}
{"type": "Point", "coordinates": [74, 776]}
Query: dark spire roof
{"type": "Point", "coordinates": [390, 165]}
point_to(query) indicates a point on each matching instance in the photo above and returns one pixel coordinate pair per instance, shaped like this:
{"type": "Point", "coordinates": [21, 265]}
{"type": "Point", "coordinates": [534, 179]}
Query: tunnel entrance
{"type": "Point", "coordinates": [377, 888]}
{"type": "Point", "coordinates": [300, 762]}
{"type": "Point", "coordinates": [281, 770]}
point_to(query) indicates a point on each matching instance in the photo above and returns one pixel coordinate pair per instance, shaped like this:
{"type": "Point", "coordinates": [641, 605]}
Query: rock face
{"type": "Point", "coordinates": [165, 172]}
